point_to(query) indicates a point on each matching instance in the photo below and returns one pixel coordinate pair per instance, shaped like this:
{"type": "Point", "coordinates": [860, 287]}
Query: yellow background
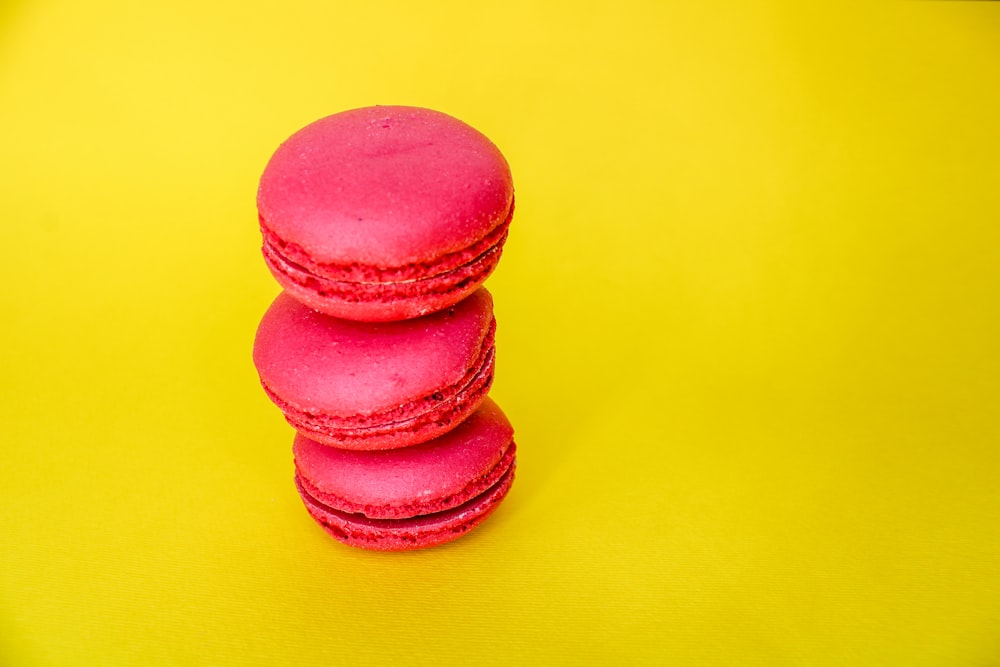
{"type": "Point", "coordinates": [749, 335]}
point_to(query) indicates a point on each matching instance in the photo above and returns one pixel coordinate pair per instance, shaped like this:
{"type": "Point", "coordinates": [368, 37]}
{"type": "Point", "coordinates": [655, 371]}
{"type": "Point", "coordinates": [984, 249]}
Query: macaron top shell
{"type": "Point", "coordinates": [447, 467]}
{"type": "Point", "coordinates": [346, 368]}
{"type": "Point", "coordinates": [386, 186]}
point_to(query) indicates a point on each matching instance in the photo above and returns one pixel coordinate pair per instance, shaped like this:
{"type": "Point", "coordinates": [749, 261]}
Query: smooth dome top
{"type": "Point", "coordinates": [319, 362]}
{"type": "Point", "coordinates": [385, 185]}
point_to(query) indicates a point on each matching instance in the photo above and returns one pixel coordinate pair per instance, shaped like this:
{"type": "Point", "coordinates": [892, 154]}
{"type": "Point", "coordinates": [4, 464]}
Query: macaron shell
{"type": "Point", "coordinates": [289, 256]}
{"type": "Point", "coordinates": [409, 534]}
{"type": "Point", "coordinates": [422, 479]}
{"type": "Point", "coordinates": [328, 365]}
{"type": "Point", "coordinates": [371, 294]}
{"type": "Point", "coordinates": [409, 424]}
{"type": "Point", "coordinates": [385, 186]}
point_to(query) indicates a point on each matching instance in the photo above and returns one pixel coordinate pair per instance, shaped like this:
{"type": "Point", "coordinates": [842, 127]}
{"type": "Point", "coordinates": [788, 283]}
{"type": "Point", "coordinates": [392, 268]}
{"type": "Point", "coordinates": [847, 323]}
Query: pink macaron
{"type": "Point", "coordinates": [384, 213]}
{"type": "Point", "coordinates": [376, 385]}
{"type": "Point", "coordinates": [413, 497]}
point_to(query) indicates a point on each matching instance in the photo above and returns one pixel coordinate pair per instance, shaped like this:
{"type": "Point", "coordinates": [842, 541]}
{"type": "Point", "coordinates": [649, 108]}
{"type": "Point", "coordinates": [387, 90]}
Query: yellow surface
{"type": "Point", "coordinates": [749, 335]}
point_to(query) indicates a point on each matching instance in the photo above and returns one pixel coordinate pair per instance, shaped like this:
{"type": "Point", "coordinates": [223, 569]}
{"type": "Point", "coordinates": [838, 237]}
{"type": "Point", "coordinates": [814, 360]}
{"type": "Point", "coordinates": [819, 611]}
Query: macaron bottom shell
{"type": "Point", "coordinates": [407, 534]}
{"type": "Point", "coordinates": [398, 293]}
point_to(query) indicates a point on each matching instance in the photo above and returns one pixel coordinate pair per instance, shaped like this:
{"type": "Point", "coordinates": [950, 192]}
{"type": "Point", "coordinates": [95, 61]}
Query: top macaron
{"type": "Point", "coordinates": [384, 213]}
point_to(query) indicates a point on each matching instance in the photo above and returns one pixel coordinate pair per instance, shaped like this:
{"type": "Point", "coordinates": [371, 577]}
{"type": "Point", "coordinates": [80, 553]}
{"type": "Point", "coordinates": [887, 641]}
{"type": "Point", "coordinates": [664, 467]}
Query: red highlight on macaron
{"type": "Point", "coordinates": [381, 224]}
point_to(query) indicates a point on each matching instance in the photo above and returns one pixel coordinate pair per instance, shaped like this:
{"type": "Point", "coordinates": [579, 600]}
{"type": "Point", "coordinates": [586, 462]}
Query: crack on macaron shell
{"type": "Point", "coordinates": [407, 424]}
{"type": "Point", "coordinates": [413, 533]}
{"type": "Point", "coordinates": [428, 506]}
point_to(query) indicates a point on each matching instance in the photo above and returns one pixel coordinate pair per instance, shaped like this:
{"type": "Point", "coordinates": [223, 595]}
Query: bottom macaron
{"type": "Point", "coordinates": [414, 497]}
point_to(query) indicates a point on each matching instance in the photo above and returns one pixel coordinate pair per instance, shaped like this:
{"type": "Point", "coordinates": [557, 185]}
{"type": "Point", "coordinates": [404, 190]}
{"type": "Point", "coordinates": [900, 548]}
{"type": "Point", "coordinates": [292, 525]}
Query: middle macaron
{"type": "Point", "coordinates": [369, 386]}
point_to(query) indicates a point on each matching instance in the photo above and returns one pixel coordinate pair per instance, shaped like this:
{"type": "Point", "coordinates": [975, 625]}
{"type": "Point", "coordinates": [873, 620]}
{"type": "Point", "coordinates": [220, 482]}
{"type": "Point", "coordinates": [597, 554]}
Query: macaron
{"type": "Point", "coordinates": [384, 213]}
{"type": "Point", "coordinates": [368, 385]}
{"type": "Point", "coordinates": [414, 497]}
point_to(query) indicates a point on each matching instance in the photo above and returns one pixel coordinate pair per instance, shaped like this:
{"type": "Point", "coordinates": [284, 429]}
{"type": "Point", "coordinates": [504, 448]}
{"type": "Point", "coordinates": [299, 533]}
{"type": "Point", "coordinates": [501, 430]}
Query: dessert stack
{"type": "Point", "coordinates": [381, 224]}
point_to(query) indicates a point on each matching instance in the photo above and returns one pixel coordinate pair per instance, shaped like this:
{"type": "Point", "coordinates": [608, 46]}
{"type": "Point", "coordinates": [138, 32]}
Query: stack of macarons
{"type": "Point", "coordinates": [381, 224]}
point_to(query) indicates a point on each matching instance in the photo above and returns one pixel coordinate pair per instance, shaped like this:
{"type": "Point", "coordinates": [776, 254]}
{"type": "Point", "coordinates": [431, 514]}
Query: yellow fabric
{"type": "Point", "coordinates": [748, 335]}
